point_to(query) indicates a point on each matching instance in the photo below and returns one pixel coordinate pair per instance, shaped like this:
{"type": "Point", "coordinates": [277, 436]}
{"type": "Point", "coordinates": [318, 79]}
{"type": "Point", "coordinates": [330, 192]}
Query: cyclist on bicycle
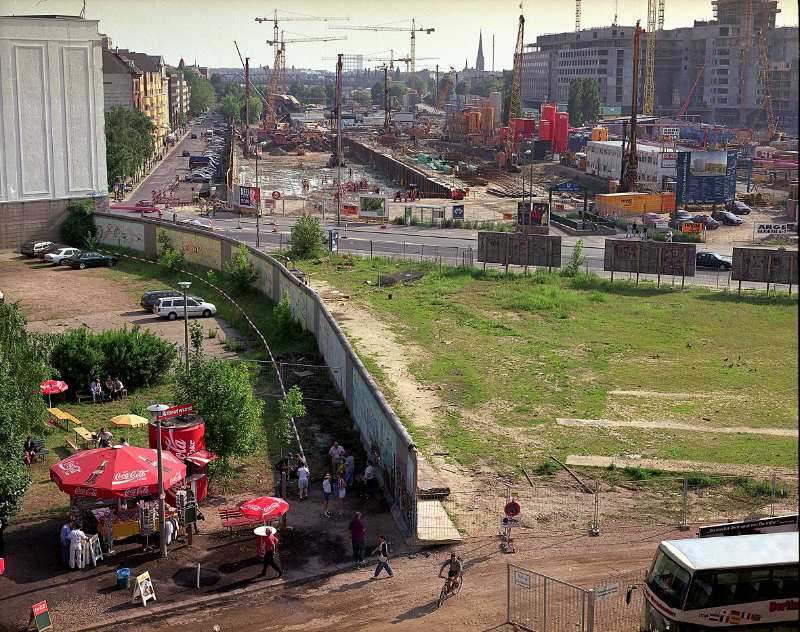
{"type": "Point", "coordinates": [456, 566]}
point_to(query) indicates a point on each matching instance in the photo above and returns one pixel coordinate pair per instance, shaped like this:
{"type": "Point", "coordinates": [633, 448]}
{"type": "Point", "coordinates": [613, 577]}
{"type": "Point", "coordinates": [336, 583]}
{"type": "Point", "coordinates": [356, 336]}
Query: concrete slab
{"type": "Point", "coordinates": [434, 525]}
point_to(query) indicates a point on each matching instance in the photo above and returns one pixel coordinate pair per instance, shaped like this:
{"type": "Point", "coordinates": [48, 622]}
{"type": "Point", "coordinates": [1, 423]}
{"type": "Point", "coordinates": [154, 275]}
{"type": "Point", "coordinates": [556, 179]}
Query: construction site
{"type": "Point", "coordinates": [452, 156]}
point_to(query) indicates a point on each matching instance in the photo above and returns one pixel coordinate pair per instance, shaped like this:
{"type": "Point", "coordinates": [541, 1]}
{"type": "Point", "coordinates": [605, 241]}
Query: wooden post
{"type": "Point", "coordinates": [506, 257]}
{"type": "Point", "coordinates": [612, 262]}
{"type": "Point", "coordinates": [769, 271]}
{"type": "Point", "coordinates": [683, 276]}
{"type": "Point", "coordinates": [639, 261]}
{"type": "Point", "coordinates": [660, 257]}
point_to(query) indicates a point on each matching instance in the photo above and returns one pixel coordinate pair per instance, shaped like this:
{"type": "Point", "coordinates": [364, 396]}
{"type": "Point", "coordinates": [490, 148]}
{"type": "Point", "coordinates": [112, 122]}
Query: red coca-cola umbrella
{"type": "Point", "coordinates": [264, 508]}
{"type": "Point", "coordinates": [52, 387]}
{"type": "Point", "coordinates": [118, 472]}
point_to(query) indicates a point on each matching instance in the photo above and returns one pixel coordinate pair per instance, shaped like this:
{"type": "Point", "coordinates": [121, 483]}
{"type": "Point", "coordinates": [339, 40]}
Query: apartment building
{"type": "Point", "coordinates": [178, 97]}
{"type": "Point", "coordinates": [52, 134]}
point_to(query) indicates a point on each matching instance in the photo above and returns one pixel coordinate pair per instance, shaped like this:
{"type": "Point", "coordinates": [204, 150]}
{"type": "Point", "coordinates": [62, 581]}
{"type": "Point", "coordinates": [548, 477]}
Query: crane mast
{"type": "Point", "coordinates": [649, 99]}
{"type": "Point", "coordinates": [630, 176]}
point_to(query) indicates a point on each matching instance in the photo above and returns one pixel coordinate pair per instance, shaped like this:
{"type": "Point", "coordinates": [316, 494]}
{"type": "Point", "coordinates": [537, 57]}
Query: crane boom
{"type": "Point", "coordinates": [772, 123]}
{"type": "Point", "coordinates": [515, 98]}
{"type": "Point", "coordinates": [688, 100]}
{"type": "Point", "coordinates": [649, 99]}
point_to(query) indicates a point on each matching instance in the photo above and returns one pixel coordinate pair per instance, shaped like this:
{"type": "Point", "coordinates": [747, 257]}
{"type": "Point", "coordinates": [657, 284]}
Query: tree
{"type": "Point", "coordinates": [22, 409]}
{"type": "Point", "coordinates": [289, 408]}
{"type": "Point", "coordinates": [330, 92]}
{"type": "Point", "coordinates": [362, 97]}
{"type": "Point", "coordinates": [308, 237]}
{"type": "Point", "coordinates": [129, 143]}
{"type": "Point", "coordinates": [218, 83]}
{"type": "Point", "coordinates": [222, 394]}
{"type": "Point", "coordinates": [584, 102]}
{"type": "Point", "coordinates": [202, 92]}
{"type": "Point", "coordinates": [79, 229]}
{"type": "Point", "coordinates": [231, 108]}
{"type": "Point", "coordinates": [506, 96]}
{"type": "Point", "coordinates": [376, 91]}
{"type": "Point", "coordinates": [574, 102]}
{"type": "Point", "coordinates": [256, 108]}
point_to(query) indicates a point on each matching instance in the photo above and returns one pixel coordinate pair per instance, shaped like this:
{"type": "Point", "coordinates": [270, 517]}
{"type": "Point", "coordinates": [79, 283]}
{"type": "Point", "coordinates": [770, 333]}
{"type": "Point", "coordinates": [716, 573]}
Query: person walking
{"type": "Point", "coordinates": [628, 231]}
{"type": "Point", "coordinates": [327, 490]}
{"type": "Point", "coordinates": [76, 540]}
{"type": "Point", "coordinates": [382, 551]}
{"type": "Point", "coordinates": [349, 469]}
{"type": "Point", "coordinates": [302, 480]}
{"type": "Point", "coordinates": [341, 491]}
{"type": "Point", "coordinates": [66, 529]}
{"type": "Point", "coordinates": [358, 536]}
{"type": "Point", "coordinates": [269, 554]}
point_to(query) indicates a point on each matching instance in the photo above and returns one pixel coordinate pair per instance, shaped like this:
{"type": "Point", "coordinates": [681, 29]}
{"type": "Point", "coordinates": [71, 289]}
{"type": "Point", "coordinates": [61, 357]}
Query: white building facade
{"type": "Point", "coordinates": [52, 132]}
{"type": "Point", "coordinates": [656, 164]}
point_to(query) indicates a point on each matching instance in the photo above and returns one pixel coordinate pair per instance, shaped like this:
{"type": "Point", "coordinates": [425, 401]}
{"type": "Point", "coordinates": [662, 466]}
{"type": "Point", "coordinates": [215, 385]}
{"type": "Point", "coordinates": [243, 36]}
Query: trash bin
{"type": "Point", "coordinates": [123, 578]}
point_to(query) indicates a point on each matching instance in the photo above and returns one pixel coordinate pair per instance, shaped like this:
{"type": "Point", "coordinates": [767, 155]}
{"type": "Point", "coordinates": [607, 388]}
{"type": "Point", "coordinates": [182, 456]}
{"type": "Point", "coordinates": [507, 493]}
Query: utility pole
{"type": "Point", "coordinates": [628, 184]}
{"type": "Point", "coordinates": [247, 107]}
{"type": "Point", "coordinates": [156, 410]}
{"type": "Point", "coordinates": [339, 140]}
{"type": "Point", "coordinates": [258, 206]}
{"type": "Point", "coordinates": [492, 52]}
{"type": "Point", "coordinates": [437, 83]}
{"type": "Point", "coordinates": [385, 99]}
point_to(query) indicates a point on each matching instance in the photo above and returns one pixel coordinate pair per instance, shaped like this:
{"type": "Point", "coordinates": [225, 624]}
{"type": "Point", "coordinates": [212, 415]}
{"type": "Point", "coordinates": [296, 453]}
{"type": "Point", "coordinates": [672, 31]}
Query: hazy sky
{"type": "Point", "coordinates": [205, 29]}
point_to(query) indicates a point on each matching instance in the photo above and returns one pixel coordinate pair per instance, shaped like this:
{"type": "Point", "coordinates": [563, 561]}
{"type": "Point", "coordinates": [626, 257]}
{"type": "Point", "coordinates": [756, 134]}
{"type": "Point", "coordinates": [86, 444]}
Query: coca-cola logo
{"type": "Point", "coordinates": [69, 467]}
{"type": "Point", "coordinates": [133, 475]}
{"type": "Point", "coordinates": [135, 492]}
{"type": "Point", "coordinates": [85, 491]}
{"type": "Point", "coordinates": [256, 508]}
{"type": "Point", "coordinates": [181, 447]}
{"type": "Point", "coordinates": [175, 479]}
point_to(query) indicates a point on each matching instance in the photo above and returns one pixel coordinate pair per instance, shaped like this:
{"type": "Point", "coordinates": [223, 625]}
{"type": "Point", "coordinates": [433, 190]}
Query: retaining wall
{"type": "Point", "coordinates": [382, 434]}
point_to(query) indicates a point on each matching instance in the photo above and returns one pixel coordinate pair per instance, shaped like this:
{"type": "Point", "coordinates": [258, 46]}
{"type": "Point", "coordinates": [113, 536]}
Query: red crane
{"type": "Point", "coordinates": [685, 105]}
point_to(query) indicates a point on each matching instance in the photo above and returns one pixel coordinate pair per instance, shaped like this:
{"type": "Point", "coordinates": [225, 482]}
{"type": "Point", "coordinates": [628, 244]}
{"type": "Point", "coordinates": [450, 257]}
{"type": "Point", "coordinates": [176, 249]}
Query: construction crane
{"type": "Point", "coordinates": [630, 165]}
{"type": "Point", "coordinates": [515, 98]}
{"type": "Point", "coordinates": [649, 99]}
{"type": "Point", "coordinates": [413, 30]}
{"type": "Point", "coordinates": [685, 106]}
{"type": "Point", "coordinates": [660, 15]}
{"type": "Point", "coordinates": [293, 18]}
{"type": "Point", "coordinates": [744, 64]}
{"type": "Point", "coordinates": [577, 15]}
{"type": "Point", "coordinates": [772, 123]}
{"type": "Point", "coordinates": [447, 84]}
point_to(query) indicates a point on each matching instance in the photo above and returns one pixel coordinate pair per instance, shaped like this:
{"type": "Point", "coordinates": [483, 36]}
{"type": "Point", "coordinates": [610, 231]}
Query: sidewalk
{"type": "Point", "coordinates": [155, 166]}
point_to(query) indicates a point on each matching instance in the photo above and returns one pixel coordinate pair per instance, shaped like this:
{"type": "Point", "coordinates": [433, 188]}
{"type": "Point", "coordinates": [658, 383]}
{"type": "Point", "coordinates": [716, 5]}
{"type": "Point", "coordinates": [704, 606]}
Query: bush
{"type": "Point", "coordinates": [169, 259]}
{"type": "Point", "coordinates": [308, 238]}
{"type": "Point", "coordinates": [239, 272]}
{"type": "Point", "coordinates": [576, 260]}
{"type": "Point", "coordinates": [78, 228]}
{"type": "Point", "coordinates": [138, 358]}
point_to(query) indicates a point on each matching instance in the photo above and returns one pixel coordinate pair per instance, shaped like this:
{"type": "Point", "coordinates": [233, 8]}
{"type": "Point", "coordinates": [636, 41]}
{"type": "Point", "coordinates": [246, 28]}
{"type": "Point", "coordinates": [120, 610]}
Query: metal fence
{"type": "Point", "coordinates": [540, 603]}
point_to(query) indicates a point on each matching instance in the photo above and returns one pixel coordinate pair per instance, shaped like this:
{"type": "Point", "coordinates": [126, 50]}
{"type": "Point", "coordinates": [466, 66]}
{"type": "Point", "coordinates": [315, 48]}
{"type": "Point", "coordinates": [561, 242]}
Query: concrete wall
{"type": "Point", "coordinates": [382, 433]}
{"type": "Point", "coordinates": [117, 91]}
{"type": "Point", "coordinates": [52, 140]}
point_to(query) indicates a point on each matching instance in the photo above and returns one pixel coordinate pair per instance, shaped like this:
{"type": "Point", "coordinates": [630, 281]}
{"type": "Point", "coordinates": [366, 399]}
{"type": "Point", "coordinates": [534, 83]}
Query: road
{"type": "Point", "coordinates": [453, 246]}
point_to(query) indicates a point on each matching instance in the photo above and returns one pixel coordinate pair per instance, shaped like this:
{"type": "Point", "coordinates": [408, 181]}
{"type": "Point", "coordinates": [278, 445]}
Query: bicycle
{"type": "Point", "coordinates": [450, 588]}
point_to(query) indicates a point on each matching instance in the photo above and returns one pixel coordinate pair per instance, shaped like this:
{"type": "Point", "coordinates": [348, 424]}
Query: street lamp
{"type": "Point", "coordinates": [156, 410]}
{"type": "Point", "coordinates": [530, 184]}
{"type": "Point", "coordinates": [185, 285]}
{"type": "Point", "coordinates": [258, 205]}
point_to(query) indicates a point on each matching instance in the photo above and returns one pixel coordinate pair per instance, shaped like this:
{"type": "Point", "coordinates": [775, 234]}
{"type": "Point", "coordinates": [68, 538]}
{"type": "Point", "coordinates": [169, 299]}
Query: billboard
{"type": "Point", "coordinates": [373, 206]}
{"type": "Point", "coordinates": [649, 257]}
{"type": "Point", "coordinates": [764, 265]}
{"type": "Point", "coordinates": [776, 229]}
{"type": "Point", "coordinates": [700, 178]}
{"type": "Point", "coordinates": [249, 197]}
{"type": "Point", "coordinates": [533, 214]}
{"type": "Point", "coordinates": [519, 249]}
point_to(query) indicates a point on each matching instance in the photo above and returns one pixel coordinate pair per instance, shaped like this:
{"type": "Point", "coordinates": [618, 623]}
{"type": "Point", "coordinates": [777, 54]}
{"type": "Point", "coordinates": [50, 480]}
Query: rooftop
{"type": "Point", "coordinates": [735, 551]}
{"type": "Point", "coordinates": [640, 146]}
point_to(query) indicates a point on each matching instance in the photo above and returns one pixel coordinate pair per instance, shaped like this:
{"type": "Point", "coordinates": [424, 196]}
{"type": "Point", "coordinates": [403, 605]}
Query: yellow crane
{"type": "Point", "coordinates": [413, 30]}
{"type": "Point", "coordinates": [515, 98]}
{"type": "Point", "coordinates": [766, 104]}
{"type": "Point", "coordinates": [744, 64]}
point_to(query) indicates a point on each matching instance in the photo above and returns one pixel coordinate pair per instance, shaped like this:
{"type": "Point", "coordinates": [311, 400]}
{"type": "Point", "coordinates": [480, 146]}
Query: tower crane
{"type": "Point", "coordinates": [515, 98]}
{"type": "Point", "coordinates": [772, 123]}
{"type": "Point", "coordinates": [630, 163]}
{"type": "Point", "coordinates": [649, 98]}
{"type": "Point", "coordinates": [413, 30]}
{"type": "Point", "coordinates": [577, 15]}
{"type": "Point", "coordinates": [744, 64]}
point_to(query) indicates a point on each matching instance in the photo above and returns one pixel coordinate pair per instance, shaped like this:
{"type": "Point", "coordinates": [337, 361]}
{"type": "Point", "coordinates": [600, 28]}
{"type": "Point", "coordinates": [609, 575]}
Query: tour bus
{"type": "Point", "coordinates": [745, 583]}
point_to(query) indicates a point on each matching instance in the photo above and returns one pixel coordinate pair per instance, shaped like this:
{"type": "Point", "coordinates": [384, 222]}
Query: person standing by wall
{"type": "Point", "coordinates": [327, 490]}
{"type": "Point", "coordinates": [66, 529]}
{"type": "Point", "coordinates": [76, 540]}
{"type": "Point", "coordinates": [358, 533]}
{"type": "Point", "coordinates": [382, 551]}
{"type": "Point", "coordinates": [349, 469]}
{"type": "Point", "coordinates": [302, 480]}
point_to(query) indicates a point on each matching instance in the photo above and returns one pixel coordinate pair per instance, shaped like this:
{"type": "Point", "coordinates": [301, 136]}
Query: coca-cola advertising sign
{"type": "Point", "coordinates": [129, 477]}
{"type": "Point", "coordinates": [88, 492]}
{"type": "Point", "coordinates": [136, 492]}
{"type": "Point", "coordinates": [181, 440]}
{"type": "Point", "coordinates": [69, 467]}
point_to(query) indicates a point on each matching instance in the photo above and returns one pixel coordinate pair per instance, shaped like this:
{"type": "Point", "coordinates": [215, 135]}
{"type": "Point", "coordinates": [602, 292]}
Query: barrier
{"type": "Point", "coordinates": [383, 436]}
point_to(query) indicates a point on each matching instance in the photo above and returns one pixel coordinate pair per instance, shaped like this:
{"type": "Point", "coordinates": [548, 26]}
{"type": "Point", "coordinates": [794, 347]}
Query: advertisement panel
{"type": "Point", "coordinates": [668, 159]}
{"type": "Point", "coordinates": [533, 214]}
{"type": "Point", "coordinates": [249, 197]}
{"type": "Point", "coordinates": [764, 265]}
{"type": "Point", "coordinates": [708, 163]}
{"type": "Point", "coordinates": [700, 178]}
{"type": "Point", "coordinates": [458, 211]}
{"type": "Point", "coordinates": [649, 257]}
{"type": "Point", "coordinates": [519, 249]}
{"type": "Point", "coordinates": [776, 229]}
{"type": "Point", "coordinates": [373, 206]}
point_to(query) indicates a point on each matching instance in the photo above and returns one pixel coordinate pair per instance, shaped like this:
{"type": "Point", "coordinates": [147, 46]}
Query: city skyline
{"type": "Point", "coordinates": [199, 39]}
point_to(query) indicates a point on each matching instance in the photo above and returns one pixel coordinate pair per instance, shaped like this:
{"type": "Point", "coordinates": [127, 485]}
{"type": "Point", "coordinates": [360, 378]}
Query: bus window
{"type": "Point", "coordinates": [668, 580]}
{"type": "Point", "coordinates": [711, 589]}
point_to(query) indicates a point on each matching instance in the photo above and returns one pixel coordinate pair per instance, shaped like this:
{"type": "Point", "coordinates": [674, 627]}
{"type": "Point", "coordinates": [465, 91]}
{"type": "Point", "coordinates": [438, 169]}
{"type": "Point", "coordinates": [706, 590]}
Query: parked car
{"type": "Point", "coordinates": [172, 308]}
{"type": "Point", "coordinates": [679, 218]}
{"type": "Point", "coordinates": [32, 248]}
{"type": "Point", "coordinates": [61, 254]}
{"type": "Point", "coordinates": [728, 218]}
{"type": "Point", "coordinates": [90, 259]}
{"type": "Point", "coordinates": [738, 207]}
{"type": "Point", "coordinates": [713, 260]}
{"type": "Point", "coordinates": [202, 222]}
{"type": "Point", "coordinates": [40, 254]}
{"type": "Point", "coordinates": [149, 299]}
{"type": "Point", "coordinates": [706, 220]}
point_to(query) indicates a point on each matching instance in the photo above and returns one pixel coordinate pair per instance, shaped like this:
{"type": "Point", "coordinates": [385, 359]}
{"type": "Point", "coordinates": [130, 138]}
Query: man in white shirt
{"type": "Point", "coordinates": [302, 480]}
{"type": "Point", "coordinates": [76, 540]}
{"type": "Point", "coordinates": [336, 453]}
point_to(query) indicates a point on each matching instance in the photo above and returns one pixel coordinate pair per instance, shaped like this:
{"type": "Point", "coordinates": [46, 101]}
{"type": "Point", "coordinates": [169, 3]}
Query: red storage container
{"type": "Point", "coordinates": [561, 132]}
{"type": "Point", "coordinates": [182, 435]}
{"type": "Point", "coordinates": [545, 130]}
{"type": "Point", "coordinates": [549, 113]}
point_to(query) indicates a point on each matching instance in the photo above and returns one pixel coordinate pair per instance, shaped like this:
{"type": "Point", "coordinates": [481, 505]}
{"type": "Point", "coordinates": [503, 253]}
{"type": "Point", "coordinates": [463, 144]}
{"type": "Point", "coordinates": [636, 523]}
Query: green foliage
{"type": "Point", "coordinates": [282, 315]}
{"type": "Point", "coordinates": [169, 259]}
{"type": "Point", "coordinates": [546, 468]}
{"type": "Point", "coordinates": [202, 94]}
{"type": "Point", "coordinates": [584, 101]}
{"type": "Point", "coordinates": [22, 408]}
{"type": "Point", "coordinates": [641, 473]}
{"type": "Point", "coordinates": [576, 260]}
{"type": "Point", "coordinates": [308, 238]}
{"type": "Point", "coordinates": [222, 394]}
{"type": "Point", "coordinates": [78, 228]}
{"type": "Point", "coordinates": [289, 408]}
{"type": "Point", "coordinates": [239, 272]}
{"type": "Point", "coordinates": [315, 93]}
{"type": "Point", "coordinates": [138, 407]}
{"type": "Point", "coordinates": [139, 358]}
{"type": "Point", "coordinates": [256, 108]}
{"type": "Point", "coordinates": [231, 108]}
{"type": "Point", "coordinates": [129, 143]}
{"type": "Point", "coordinates": [196, 336]}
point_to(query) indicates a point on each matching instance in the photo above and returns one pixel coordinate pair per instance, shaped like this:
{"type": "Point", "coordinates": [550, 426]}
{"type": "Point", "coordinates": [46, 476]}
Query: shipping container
{"type": "Point", "coordinates": [636, 203]}
{"type": "Point", "coordinates": [545, 130]}
{"type": "Point", "coordinates": [561, 133]}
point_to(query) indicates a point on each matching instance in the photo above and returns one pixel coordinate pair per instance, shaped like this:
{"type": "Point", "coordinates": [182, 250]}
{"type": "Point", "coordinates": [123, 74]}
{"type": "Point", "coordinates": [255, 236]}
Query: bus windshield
{"type": "Point", "coordinates": [668, 580]}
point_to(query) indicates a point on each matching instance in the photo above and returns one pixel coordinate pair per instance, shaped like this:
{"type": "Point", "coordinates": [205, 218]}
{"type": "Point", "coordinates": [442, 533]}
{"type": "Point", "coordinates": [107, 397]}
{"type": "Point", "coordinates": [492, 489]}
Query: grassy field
{"type": "Point", "coordinates": [511, 354]}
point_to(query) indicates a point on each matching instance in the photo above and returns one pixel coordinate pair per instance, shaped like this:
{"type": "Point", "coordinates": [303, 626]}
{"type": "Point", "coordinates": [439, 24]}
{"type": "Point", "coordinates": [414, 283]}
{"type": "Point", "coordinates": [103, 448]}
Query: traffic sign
{"type": "Point", "coordinates": [507, 522]}
{"type": "Point", "coordinates": [568, 186]}
{"type": "Point", "coordinates": [512, 508]}
{"type": "Point", "coordinates": [276, 195]}
{"type": "Point", "coordinates": [177, 411]}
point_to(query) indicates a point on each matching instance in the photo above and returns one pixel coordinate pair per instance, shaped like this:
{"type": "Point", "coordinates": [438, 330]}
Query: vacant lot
{"type": "Point", "coordinates": [507, 357]}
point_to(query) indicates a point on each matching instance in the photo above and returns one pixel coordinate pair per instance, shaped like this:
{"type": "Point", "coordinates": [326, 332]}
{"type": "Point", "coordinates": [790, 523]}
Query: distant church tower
{"type": "Point", "coordinates": [479, 60]}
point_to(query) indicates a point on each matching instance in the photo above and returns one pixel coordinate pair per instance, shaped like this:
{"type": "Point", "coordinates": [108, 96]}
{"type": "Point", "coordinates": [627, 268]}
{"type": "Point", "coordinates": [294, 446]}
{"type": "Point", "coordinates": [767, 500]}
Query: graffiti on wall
{"type": "Point", "coordinates": [199, 249]}
{"type": "Point", "coordinates": [118, 233]}
{"type": "Point", "coordinates": [375, 429]}
{"type": "Point", "coordinates": [264, 271]}
{"type": "Point", "coordinates": [332, 350]}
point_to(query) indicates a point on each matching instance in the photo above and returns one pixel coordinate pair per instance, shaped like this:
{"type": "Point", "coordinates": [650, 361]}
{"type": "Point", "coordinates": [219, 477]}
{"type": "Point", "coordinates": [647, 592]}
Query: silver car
{"type": "Point", "coordinates": [172, 307]}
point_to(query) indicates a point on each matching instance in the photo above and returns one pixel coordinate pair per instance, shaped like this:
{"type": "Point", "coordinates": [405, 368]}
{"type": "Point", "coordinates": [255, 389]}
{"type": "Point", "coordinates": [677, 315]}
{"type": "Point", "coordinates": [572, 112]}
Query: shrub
{"type": "Point", "coordinates": [291, 407]}
{"type": "Point", "coordinates": [576, 260]}
{"type": "Point", "coordinates": [239, 272]}
{"type": "Point", "coordinates": [138, 358]}
{"type": "Point", "coordinates": [78, 228]}
{"type": "Point", "coordinates": [546, 468]}
{"type": "Point", "coordinates": [308, 238]}
{"type": "Point", "coordinates": [169, 259]}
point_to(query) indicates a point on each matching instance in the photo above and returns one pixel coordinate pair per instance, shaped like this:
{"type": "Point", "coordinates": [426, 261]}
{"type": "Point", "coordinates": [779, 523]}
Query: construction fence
{"type": "Point", "coordinates": [540, 603]}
